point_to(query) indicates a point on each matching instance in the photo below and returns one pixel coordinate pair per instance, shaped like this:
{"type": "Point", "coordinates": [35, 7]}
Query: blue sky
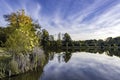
{"type": "Point", "coordinates": [82, 19]}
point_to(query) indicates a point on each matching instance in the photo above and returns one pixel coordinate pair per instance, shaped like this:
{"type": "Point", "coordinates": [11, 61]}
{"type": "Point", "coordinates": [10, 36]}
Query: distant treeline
{"type": "Point", "coordinates": [67, 43]}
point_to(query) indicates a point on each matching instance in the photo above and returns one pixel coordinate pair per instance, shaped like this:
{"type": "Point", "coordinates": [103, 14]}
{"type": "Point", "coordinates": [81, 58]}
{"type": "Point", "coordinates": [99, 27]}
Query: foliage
{"type": "Point", "coordinates": [45, 42]}
{"type": "Point", "coordinates": [4, 66]}
{"type": "Point", "coordinates": [67, 37]}
{"type": "Point", "coordinates": [67, 42]}
{"type": "Point", "coordinates": [3, 36]}
{"type": "Point", "coordinates": [14, 67]}
{"type": "Point", "coordinates": [22, 37]}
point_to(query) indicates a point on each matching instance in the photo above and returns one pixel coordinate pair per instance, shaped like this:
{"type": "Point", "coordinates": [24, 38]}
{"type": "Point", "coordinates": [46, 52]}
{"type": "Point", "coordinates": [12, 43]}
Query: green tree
{"type": "Point", "coordinates": [22, 37]}
{"type": "Point", "coordinates": [2, 36]}
{"type": "Point", "coordinates": [59, 41]}
{"type": "Point", "coordinates": [67, 40]}
{"type": "Point", "coordinates": [45, 42]}
{"type": "Point", "coordinates": [58, 44]}
{"type": "Point", "coordinates": [67, 37]}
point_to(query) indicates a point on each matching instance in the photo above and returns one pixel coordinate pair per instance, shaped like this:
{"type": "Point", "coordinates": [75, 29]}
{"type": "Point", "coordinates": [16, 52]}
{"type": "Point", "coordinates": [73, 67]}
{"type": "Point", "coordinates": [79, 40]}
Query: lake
{"type": "Point", "coordinates": [76, 66]}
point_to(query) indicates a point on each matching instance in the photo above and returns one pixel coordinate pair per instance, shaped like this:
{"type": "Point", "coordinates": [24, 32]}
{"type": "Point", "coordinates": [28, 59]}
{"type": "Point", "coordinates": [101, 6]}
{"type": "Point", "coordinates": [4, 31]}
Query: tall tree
{"type": "Point", "coordinates": [45, 42]}
{"type": "Point", "coordinates": [67, 40]}
{"type": "Point", "coordinates": [22, 37]}
{"type": "Point", "coordinates": [67, 37]}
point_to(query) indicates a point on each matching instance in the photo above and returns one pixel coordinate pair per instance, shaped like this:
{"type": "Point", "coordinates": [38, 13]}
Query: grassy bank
{"type": "Point", "coordinates": [16, 64]}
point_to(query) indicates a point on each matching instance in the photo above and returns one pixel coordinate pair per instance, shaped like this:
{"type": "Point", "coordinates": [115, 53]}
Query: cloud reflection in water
{"type": "Point", "coordinates": [82, 66]}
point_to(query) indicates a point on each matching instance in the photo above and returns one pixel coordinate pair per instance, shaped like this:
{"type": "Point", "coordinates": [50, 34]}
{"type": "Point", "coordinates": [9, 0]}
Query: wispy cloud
{"type": "Point", "coordinates": [93, 19]}
{"type": "Point", "coordinates": [102, 24]}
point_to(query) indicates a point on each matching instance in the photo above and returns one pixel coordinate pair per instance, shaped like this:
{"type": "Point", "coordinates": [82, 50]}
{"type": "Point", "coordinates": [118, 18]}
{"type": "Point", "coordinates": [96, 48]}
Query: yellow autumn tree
{"type": "Point", "coordinates": [22, 37]}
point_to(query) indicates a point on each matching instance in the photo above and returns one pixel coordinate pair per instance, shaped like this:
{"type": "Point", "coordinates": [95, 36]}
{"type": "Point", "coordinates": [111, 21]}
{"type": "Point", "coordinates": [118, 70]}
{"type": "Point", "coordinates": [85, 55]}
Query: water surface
{"type": "Point", "coordinates": [76, 66]}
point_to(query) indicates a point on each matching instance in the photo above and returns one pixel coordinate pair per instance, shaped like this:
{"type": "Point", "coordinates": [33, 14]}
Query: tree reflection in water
{"type": "Point", "coordinates": [62, 57]}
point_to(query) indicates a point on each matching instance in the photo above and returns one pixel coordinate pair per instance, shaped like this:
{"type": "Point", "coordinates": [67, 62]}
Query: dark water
{"type": "Point", "coordinates": [76, 66]}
